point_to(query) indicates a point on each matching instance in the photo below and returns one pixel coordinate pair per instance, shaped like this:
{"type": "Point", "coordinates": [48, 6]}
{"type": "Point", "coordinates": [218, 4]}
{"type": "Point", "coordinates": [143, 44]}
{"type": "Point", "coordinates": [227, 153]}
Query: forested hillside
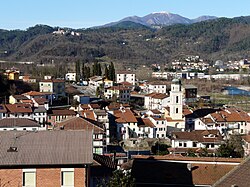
{"type": "Point", "coordinates": [128, 42]}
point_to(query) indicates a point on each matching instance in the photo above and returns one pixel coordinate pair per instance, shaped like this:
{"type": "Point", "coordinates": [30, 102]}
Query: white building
{"type": "Point", "coordinates": [182, 142]}
{"type": "Point", "coordinates": [160, 127]}
{"type": "Point", "coordinates": [55, 86]}
{"type": "Point", "coordinates": [20, 124]}
{"type": "Point", "coordinates": [125, 76]}
{"type": "Point", "coordinates": [70, 77]}
{"type": "Point", "coordinates": [155, 101]}
{"type": "Point", "coordinates": [157, 87]}
{"type": "Point", "coordinates": [176, 105]}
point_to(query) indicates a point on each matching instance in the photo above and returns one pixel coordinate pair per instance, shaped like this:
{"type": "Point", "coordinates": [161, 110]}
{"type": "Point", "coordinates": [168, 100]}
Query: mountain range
{"type": "Point", "coordinates": [160, 19]}
{"type": "Point", "coordinates": [130, 43]}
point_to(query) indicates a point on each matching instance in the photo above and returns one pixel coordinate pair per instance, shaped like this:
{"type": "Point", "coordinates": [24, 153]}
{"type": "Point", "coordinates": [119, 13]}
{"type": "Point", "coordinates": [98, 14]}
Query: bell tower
{"type": "Point", "coordinates": [176, 100]}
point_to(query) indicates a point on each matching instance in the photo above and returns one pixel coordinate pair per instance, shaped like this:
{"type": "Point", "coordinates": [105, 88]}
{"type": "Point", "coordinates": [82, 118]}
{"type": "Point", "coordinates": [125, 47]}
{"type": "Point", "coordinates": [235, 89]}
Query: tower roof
{"type": "Point", "coordinates": [176, 81]}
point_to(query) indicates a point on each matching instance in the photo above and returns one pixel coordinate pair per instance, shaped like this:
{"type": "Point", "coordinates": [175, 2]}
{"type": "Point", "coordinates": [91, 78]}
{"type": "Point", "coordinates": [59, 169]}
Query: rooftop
{"type": "Point", "coordinates": [45, 148]}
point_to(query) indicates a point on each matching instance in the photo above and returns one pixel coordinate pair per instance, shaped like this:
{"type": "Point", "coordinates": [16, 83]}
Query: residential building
{"type": "Point", "coordinates": [20, 124]}
{"type": "Point", "coordinates": [46, 158]}
{"type": "Point", "coordinates": [13, 99]}
{"type": "Point", "coordinates": [227, 121]}
{"type": "Point", "coordinates": [58, 115]}
{"type": "Point", "coordinates": [118, 93]}
{"type": "Point", "coordinates": [160, 127]}
{"type": "Point", "coordinates": [157, 87]}
{"type": "Point", "coordinates": [54, 86]}
{"type": "Point", "coordinates": [182, 142]}
{"type": "Point", "coordinates": [126, 124]}
{"type": "Point", "coordinates": [146, 129]}
{"type": "Point", "coordinates": [246, 144]}
{"type": "Point", "coordinates": [155, 101]}
{"type": "Point", "coordinates": [125, 76]}
{"type": "Point", "coordinates": [80, 123]}
{"type": "Point", "coordinates": [70, 77]}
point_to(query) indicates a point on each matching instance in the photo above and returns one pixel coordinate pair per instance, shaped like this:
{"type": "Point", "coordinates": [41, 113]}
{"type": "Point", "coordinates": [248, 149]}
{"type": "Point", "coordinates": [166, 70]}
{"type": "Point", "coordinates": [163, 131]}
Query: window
{"type": "Point", "coordinates": [185, 145]}
{"type": "Point", "coordinates": [176, 111]}
{"type": "Point", "coordinates": [180, 144]}
{"type": "Point", "coordinates": [194, 144]}
{"type": "Point", "coordinates": [29, 178]}
{"type": "Point", "coordinates": [67, 177]}
{"type": "Point", "coordinates": [177, 99]}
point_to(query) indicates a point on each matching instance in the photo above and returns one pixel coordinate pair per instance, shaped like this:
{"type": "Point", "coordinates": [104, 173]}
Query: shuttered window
{"type": "Point", "coordinates": [29, 179]}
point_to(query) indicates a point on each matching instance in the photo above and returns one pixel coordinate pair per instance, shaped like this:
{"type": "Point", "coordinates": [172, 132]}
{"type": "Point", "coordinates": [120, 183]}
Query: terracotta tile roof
{"type": "Point", "coordinates": [159, 83]}
{"type": "Point", "coordinates": [61, 112]}
{"type": "Point", "coordinates": [169, 173]}
{"type": "Point", "coordinates": [169, 119]}
{"type": "Point", "coordinates": [52, 80]}
{"type": "Point", "coordinates": [19, 108]}
{"type": "Point", "coordinates": [157, 95]}
{"type": "Point", "coordinates": [124, 116]}
{"type": "Point", "coordinates": [155, 111]}
{"type": "Point", "coordinates": [145, 122]}
{"type": "Point", "coordinates": [79, 123]}
{"type": "Point", "coordinates": [20, 97]}
{"type": "Point", "coordinates": [85, 106]}
{"type": "Point", "coordinates": [41, 101]}
{"type": "Point", "coordinates": [17, 122]}
{"type": "Point", "coordinates": [45, 148]}
{"type": "Point", "coordinates": [88, 114]}
{"type": "Point", "coordinates": [125, 83]}
{"type": "Point", "coordinates": [95, 106]}
{"type": "Point", "coordinates": [159, 119]}
{"type": "Point", "coordinates": [27, 101]}
{"type": "Point", "coordinates": [238, 176]}
{"type": "Point", "coordinates": [33, 93]}
{"type": "Point", "coordinates": [121, 88]}
{"type": "Point", "coordinates": [105, 161]}
{"type": "Point", "coordinates": [199, 136]}
{"type": "Point", "coordinates": [246, 138]}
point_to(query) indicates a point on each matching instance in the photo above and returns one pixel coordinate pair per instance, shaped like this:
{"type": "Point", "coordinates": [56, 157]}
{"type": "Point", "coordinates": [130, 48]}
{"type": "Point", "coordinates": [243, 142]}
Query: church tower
{"type": "Point", "coordinates": [176, 100]}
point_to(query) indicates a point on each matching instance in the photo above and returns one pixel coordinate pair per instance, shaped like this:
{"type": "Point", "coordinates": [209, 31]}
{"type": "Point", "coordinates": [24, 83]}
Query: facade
{"type": "Point", "coordinates": [182, 142]}
{"type": "Point", "coordinates": [70, 77]}
{"type": "Point", "coordinates": [160, 127]}
{"type": "Point", "coordinates": [57, 116]}
{"type": "Point", "coordinates": [157, 87]}
{"type": "Point", "coordinates": [155, 101]}
{"type": "Point", "coordinates": [176, 105]}
{"type": "Point", "coordinates": [125, 76]}
{"type": "Point", "coordinates": [20, 124]}
{"type": "Point", "coordinates": [53, 86]}
{"type": "Point", "coordinates": [80, 123]}
{"type": "Point", "coordinates": [119, 93]}
{"type": "Point", "coordinates": [42, 162]}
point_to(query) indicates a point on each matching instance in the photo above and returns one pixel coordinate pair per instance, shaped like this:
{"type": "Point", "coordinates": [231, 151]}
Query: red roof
{"type": "Point", "coordinates": [124, 116]}
{"type": "Point", "coordinates": [19, 108]}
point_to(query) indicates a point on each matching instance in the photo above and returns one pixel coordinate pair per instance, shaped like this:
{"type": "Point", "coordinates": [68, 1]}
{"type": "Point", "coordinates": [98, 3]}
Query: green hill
{"type": "Point", "coordinates": [131, 43]}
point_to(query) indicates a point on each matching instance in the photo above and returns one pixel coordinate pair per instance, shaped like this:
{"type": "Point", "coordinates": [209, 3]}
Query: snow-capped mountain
{"type": "Point", "coordinates": [161, 19]}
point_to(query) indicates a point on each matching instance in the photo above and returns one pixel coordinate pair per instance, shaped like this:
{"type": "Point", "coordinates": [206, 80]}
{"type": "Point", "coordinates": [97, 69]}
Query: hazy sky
{"type": "Point", "coordinates": [20, 14]}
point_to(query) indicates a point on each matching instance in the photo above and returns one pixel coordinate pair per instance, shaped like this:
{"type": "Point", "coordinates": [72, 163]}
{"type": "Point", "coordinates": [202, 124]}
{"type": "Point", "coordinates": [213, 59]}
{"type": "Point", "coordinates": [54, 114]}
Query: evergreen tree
{"type": "Point", "coordinates": [99, 69]}
{"type": "Point", "coordinates": [78, 71]}
{"type": "Point", "coordinates": [106, 72]}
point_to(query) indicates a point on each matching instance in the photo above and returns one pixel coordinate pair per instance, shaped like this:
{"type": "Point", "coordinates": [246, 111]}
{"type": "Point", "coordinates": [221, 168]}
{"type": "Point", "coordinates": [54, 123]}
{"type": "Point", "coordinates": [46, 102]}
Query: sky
{"type": "Point", "coordinates": [21, 14]}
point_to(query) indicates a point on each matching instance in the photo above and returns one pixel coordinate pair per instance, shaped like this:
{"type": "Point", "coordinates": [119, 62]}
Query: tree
{"type": "Point", "coordinates": [121, 178]}
{"type": "Point", "coordinates": [111, 72]}
{"type": "Point", "coordinates": [160, 149]}
{"type": "Point", "coordinates": [106, 71]}
{"type": "Point", "coordinates": [232, 148]}
{"type": "Point", "coordinates": [78, 70]}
